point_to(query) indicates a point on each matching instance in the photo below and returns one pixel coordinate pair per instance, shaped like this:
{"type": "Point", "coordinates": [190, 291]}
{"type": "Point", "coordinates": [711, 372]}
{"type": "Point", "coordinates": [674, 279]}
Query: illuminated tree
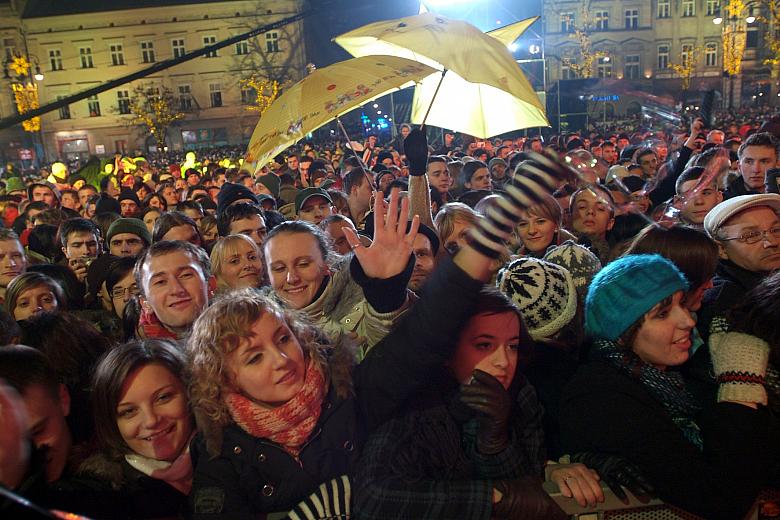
{"type": "Point", "coordinates": [581, 64]}
{"type": "Point", "coordinates": [687, 66]}
{"type": "Point", "coordinates": [264, 92]}
{"type": "Point", "coordinates": [153, 107]}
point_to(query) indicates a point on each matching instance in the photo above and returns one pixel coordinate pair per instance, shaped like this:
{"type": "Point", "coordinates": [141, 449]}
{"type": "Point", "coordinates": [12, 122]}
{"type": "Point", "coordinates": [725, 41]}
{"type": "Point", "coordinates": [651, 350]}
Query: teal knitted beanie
{"type": "Point", "coordinates": [624, 290]}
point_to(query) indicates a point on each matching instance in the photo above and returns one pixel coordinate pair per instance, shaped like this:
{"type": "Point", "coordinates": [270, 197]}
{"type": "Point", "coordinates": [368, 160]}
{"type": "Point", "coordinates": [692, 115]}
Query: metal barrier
{"type": "Point", "coordinates": [767, 506]}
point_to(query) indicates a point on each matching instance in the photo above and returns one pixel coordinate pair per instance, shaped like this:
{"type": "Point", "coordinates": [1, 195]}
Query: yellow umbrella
{"type": "Point", "coordinates": [509, 33]}
{"type": "Point", "coordinates": [483, 92]}
{"type": "Point", "coordinates": [326, 94]}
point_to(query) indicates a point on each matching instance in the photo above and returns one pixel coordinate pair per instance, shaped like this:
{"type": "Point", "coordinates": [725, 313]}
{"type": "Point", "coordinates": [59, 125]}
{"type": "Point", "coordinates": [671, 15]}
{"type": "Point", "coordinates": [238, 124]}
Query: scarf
{"type": "Point", "coordinates": [666, 387]}
{"type": "Point", "coordinates": [152, 327]}
{"type": "Point", "coordinates": [177, 474]}
{"type": "Point", "coordinates": [288, 425]}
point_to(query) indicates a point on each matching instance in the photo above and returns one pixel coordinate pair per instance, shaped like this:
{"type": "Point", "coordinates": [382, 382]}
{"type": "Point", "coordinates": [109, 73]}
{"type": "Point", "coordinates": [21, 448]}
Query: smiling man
{"type": "Point", "coordinates": [756, 155]}
{"type": "Point", "coordinates": [173, 278]}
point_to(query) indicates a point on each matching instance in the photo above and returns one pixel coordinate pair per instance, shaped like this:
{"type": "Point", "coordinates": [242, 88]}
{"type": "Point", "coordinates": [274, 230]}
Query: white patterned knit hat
{"type": "Point", "coordinates": [544, 293]}
{"type": "Point", "coordinates": [579, 261]}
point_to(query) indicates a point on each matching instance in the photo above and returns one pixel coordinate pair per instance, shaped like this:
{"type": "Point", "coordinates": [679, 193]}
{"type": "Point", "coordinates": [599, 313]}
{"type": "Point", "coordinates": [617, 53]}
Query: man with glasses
{"type": "Point", "coordinates": [746, 229]}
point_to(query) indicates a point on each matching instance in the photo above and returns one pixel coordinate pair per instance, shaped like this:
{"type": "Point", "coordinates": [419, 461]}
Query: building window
{"type": "Point", "coordinates": [631, 70]}
{"type": "Point", "coordinates": [663, 57]}
{"type": "Point", "coordinates": [178, 47]}
{"type": "Point", "coordinates": [686, 55]}
{"type": "Point", "coordinates": [10, 47]}
{"type": "Point", "coordinates": [566, 71]}
{"type": "Point", "coordinates": [248, 95]}
{"type": "Point", "coordinates": [689, 7]}
{"type": "Point", "coordinates": [602, 20]}
{"type": "Point", "coordinates": [215, 93]}
{"type": "Point", "coordinates": [117, 54]}
{"type": "Point", "coordinates": [711, 54]}
{"type": "Point", "coordinates": [185, 98]}
{"type": "Point", "coordinates": [272, 42]}
{"type": "Point", "coordinates": [93, 104]}
{"type": "Point", "coordinates": [567, 22]}
{"type": "Point", "coordinates": [55, 59]}
{"type": "Point", "coordinates": [242, 48]}
{"type": "Point", "coordinates": [85, 53]}
{"type": "Point", "coordinates": [664, 8]}
{"type": "Point", "coordinates": [123, 100]}
{"type": "Point", "coordinates": [64, 111]}
{"type": "Point", "coordinates": [210, 40]}
{"type": "Point", "coordinates": [713, 7]}
{"type": "Point", "coordinates": [147, 52]}
{"type": "Point", "coordinates": [604, 67]}
{"type": "Point", "coordinates": [632, 18]}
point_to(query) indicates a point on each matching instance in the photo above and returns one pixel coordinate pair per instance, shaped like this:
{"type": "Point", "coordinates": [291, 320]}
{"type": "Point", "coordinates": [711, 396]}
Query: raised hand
{"type": "Point", "coordinates": [389, 253]}
{"type": "Point", "coordinates": [416, 149]}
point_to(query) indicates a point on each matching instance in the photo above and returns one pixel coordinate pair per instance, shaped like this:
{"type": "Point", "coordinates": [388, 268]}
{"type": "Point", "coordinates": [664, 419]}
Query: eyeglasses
{"type": "Point", "coordinates": [753, 237]}
{"type": "Point", "coordinates": [120, 292]}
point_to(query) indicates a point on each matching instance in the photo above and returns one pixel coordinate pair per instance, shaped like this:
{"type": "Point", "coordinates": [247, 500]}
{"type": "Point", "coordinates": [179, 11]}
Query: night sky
{"type": "Point", "coordinates": [345, 15]}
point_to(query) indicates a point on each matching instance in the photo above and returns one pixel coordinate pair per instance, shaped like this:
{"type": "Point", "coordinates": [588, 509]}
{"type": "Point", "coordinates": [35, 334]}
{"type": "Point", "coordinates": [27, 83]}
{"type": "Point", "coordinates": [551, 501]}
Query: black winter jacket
{"type": "Point", "coordinates": [252, 476]}
{"type": "Point", "coordinates": [606, 411]}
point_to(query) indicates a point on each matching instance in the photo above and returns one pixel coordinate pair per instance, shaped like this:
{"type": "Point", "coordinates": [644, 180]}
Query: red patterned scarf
{"type": "Point", "coordinates": [288, 425]}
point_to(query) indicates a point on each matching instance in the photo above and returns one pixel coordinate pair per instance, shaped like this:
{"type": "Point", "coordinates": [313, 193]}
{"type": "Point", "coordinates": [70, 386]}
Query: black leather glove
{"type": "Point", "coordinates": [486, 395]}
{"type": "Point", "coordinates": [416, 149]}
{"type": "Point", "coordinates": [525, 499]}
{"type": "Point", "coordinates": [616, 473]}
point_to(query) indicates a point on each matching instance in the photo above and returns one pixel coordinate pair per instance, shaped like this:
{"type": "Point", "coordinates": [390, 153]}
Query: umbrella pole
{"type": "Point", "coordinates": [359, 160]}
{"type": "Point", "coordinates": [422, 125]}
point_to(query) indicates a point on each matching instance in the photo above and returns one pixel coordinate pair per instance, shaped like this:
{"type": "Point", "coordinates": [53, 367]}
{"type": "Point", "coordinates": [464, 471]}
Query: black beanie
{"type": "Point", "coordinates": [231, 192]}
{"type": "Point", "coordinates": [128, 194]}
{"type": "Point", "coordinates": [107, 204]}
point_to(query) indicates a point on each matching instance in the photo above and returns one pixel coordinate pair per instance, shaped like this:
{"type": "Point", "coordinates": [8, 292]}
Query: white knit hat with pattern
{"type": "Point", "coordinates": [544, 293]}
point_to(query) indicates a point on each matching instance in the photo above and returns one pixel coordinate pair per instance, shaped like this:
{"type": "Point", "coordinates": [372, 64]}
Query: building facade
{"type": "Point", "coordinates": [80, 45]}
{"type": "Point", "coordinates": [653, 45]}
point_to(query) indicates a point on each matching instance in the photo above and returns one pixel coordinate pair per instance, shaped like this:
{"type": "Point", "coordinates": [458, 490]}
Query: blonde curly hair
{"type": "Point", "coordinates": [218, 332]}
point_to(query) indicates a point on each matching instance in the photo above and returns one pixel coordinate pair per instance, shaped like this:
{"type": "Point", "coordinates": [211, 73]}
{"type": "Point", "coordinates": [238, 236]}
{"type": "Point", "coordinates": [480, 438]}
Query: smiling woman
{"type": "Point", "coordinates": [629, 401]}
{"type": "Point", "coordinates": [144, 424]}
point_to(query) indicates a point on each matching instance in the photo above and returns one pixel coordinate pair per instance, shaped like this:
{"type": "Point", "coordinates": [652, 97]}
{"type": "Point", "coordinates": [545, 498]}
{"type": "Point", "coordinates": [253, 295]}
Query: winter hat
{"type": "Point", "coordinates": [271, 182]}
{"type": "Point", "coordinates": [230, 193]}
{"type": "Point", "coordinates": [129, 225]}
{"type": "Point", "coordinates": [624, 290]}
{"type": "Point", "coordinates": [544, 293]}
{"type": "Point", "coordinates": [307, 193]}
{"type": "Point", "coordinates": [730, 207]}
{"type": "Point", "coordinates": [494, 161]}
{"type": "Point", "coordinates": [578, 260]}
{"type": "Point", "coordinates": [634, 183]}
{"type": "Point", "coordinates": [129, 194]}
{"type": "Point", "coordinates": [107, 204]}
{"type": "Point", "coordinates": [13, 184]}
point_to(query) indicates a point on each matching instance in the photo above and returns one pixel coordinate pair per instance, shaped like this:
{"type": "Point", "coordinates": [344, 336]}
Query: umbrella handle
{"type": "Point", "coordinates": [422, 125]}
{"type": "Point", "coordinates": [359, 160]}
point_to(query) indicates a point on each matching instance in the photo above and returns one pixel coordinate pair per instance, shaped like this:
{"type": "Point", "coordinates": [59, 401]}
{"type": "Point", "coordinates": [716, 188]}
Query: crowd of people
{"type": "Point", "coordinates": [396, 330]}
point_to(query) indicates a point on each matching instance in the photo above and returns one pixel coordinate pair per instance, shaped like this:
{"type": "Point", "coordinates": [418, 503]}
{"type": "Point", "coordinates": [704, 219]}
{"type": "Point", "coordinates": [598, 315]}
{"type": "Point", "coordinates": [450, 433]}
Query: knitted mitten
{"type": "Point", "coordinates": [532, 179]}
{"type": "Point", "coordinates": [739, 361]}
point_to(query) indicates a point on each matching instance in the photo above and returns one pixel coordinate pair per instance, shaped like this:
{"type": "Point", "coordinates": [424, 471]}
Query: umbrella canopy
{"type": "Point", "coordinates": [326, 94]}
{"type": "Point", "coordinates": [478, 117]}
{"type": "Point", "coordinates": [473, 59]}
